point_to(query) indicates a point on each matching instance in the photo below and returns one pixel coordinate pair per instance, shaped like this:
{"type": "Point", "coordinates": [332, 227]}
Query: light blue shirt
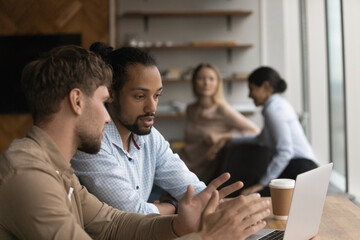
{"type": "Point", "coordinates": [283, 135]}
{"type": "Point", "coordinates": [124, 179]}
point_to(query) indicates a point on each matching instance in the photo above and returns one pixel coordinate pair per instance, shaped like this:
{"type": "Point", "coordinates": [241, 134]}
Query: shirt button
{"type": "Point", "coordinates": [137, 187]}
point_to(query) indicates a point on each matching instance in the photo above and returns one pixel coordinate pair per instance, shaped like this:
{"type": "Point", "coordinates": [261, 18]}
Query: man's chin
{"type": "Point", "coordinates": [136, 129]}
{"type": "Point", "coordinates": [143, 132]}
{"type": "Point", "coordinates": [93, 150]}
{"type": "Point", "coordinates": [90, 148]}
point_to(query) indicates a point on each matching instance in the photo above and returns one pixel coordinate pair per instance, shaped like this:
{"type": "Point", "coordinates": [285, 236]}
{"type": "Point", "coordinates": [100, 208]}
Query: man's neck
{"type": "Point", "coordinates": [125, 134]}
{"type": "Point", "coordinates": [62, 135]}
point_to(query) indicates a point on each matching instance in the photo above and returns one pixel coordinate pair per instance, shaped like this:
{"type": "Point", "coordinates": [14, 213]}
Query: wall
{"type": "Point", "coordinates": [318, 86]}
{"type": "Point", "coordinates": [266, 29]}
{"type": "Point", "coordinates": [351, 10]}
{"type": "Point", "coordinates": [280, 44]}
{"type": "Point", "coordinates": [275, 32]}
{"type": "Point", "coordinates": [88, 17]}
{"type": "Point", "coordinates": [186, 29]}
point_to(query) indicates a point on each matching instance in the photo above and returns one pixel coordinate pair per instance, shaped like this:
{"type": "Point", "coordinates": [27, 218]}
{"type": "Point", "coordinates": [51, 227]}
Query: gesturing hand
{"type": "Point", "coordinates": [190, 207]}
{"type": "Point", "coordinates": [252, 189]}
{"type": "Point", "coordinates": [234, 219]}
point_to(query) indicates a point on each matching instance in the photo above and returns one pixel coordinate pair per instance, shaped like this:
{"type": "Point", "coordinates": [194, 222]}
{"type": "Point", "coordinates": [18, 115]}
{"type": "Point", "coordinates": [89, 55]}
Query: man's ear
{"type": "Point", "coordinates": [76, 99]}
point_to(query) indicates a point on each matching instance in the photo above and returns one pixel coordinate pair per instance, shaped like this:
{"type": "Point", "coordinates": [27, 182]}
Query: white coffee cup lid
{"type": "Point", "coordinates": [283, 183]}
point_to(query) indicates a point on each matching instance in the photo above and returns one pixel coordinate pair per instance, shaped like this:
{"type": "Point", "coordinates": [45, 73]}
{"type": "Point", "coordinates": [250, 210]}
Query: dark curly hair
{"type": "Point", "coordinates": [120, 59]}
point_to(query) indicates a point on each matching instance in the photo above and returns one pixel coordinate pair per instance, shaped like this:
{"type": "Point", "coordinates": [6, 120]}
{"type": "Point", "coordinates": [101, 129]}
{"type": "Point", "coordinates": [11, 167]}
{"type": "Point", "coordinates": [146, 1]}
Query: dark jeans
{"type": "Point", "coordinates": [245, 162]}
{"type": "Point", "coordinates": [294, 168]}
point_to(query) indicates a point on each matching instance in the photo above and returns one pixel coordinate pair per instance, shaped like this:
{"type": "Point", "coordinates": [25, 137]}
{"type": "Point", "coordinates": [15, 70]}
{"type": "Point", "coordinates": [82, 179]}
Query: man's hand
{"type": "Point", "coordinates": [252, 189]}
{"type": "Point", "coordinates": [234, 219]}
{"type": "Point", "coordinates": [191, 207]}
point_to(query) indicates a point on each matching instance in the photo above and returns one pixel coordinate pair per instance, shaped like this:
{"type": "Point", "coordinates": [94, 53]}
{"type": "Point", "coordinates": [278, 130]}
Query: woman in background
{"type": "Point", "coordinates": [282, 134]}
{"type": "Point", "coordinates": [210, 123]}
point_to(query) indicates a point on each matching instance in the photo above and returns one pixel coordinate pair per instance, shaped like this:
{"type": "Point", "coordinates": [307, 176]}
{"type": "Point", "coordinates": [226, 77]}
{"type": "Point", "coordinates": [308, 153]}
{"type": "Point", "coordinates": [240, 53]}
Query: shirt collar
{"type": "Point", "coordinates": [56, 158]}
{"type": "Point", "coordinates": [115, 137]}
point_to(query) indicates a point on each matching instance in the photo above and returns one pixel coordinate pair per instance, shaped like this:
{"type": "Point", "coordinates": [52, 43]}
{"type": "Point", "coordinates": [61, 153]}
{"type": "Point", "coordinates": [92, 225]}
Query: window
{"type": "Point", "coordinates": [336, 88]}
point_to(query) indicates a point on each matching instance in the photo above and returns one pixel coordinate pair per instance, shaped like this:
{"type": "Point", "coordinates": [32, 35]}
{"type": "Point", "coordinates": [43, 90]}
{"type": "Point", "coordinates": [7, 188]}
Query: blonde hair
{"type": "Point", "coordinates": [219, 96]}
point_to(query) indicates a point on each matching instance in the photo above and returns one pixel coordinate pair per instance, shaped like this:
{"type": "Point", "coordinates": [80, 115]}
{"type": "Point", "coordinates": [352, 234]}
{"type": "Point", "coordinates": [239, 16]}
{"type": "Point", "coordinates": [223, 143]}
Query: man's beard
{"type": "Point", "coordinates": [134, 128]}
{"type": "Point", "coordinates": [89, 144]}
{"type": "Point", "coordinates": [89, 139]}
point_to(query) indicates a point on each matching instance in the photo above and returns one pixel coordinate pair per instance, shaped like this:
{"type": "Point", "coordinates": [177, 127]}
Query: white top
{"type": "Point", "coordinates": [283, 135]}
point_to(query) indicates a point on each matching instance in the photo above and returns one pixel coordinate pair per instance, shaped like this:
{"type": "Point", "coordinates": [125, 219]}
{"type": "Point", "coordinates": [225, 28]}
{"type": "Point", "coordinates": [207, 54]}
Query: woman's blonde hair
{"type": "Point", "coordinates": [219, 96]}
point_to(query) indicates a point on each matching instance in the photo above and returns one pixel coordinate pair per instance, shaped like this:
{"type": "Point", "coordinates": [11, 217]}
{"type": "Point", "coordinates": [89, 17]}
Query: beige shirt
{"type": "Point", "coordinates": [41, 198]}
{"type": "Point", "coordinates": [199, 123]}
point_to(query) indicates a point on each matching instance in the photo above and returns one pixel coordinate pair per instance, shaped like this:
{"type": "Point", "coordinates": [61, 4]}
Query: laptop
{"type": "Point", "coordinates": [306, 207]}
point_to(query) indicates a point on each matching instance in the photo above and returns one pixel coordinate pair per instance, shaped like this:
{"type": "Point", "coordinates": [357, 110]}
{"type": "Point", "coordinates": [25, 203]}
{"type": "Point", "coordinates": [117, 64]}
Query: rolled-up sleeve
{"type": "Point", "coordinates": [36, 206]}
{"type": "Point", "coordinates": [171, 172]}
{"type": "Point", "coordinates": [104, 222]}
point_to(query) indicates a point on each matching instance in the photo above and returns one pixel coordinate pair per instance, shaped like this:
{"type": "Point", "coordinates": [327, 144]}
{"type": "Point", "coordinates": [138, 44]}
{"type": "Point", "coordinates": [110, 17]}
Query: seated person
{"type": "Point", "coordinates": [210, 122]}
{"type": "Point", "coordinates": [41, 198]}
{"type": "Point", "coordinates": [133, 154]}
{"type": "Point", "coordinates": [283, 135]}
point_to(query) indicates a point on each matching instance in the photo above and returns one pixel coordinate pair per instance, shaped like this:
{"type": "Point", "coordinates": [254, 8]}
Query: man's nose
{"type": "Point", "coordinates": [151, 105]}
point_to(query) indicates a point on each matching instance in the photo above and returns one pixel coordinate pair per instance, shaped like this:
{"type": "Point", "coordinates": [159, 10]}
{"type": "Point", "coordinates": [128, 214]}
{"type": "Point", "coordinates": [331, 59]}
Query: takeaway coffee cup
{"type": "Point", "coordinates": [281, 191]}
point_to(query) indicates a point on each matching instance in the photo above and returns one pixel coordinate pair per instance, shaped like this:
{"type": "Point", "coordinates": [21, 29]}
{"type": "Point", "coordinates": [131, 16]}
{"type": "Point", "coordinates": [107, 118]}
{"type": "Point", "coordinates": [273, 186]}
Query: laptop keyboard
{"type": "Point", "coordinates": [275, 235]}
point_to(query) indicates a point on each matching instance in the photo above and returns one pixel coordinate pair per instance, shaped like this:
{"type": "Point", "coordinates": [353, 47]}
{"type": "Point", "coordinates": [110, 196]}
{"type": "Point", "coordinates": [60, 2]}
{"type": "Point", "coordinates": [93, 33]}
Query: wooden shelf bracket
{"type": "Point", "coordinates": [229, 22]}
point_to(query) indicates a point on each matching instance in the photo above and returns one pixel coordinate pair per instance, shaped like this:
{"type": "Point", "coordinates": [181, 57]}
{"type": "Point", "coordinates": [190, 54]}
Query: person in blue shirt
{"type": "Point", "coordinates": [133, 154]}
{"type": "Point", "coordinates": [282, 133]}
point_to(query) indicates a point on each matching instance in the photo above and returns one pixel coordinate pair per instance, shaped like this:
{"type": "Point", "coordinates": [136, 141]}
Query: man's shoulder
{"type": "Point", "coordinates": [155, 133]}
{"type": "Point", "coordinates": [154, 138]}
{"type": "Point", "coordinates": [24, 151]}
{"type": "Point", "coordinates": [22, 155]}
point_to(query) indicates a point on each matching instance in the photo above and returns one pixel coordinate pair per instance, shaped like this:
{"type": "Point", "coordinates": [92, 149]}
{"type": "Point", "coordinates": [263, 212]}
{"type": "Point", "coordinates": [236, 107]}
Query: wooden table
{"type": "Point", "coordinates": [340, 220]}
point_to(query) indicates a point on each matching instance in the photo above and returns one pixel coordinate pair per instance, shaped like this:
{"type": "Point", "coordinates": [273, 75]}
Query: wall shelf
{"type": "Point", "coordinates": [136, 14]}
{"type": "Point", "coordinates": [172, 112]}
{"type": "Point", "coordinates": [166, 113]}
{"type": "Point", "coordinates": [215, 13]}
{"type": "Point", "coordinates": [215, 45]}
{"type": "Point", "coordinates": [200, 46]}
{"type": "Point", "coordinates": [170, 115]}
{"type": "Point", "coordinates": [228, 79]}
